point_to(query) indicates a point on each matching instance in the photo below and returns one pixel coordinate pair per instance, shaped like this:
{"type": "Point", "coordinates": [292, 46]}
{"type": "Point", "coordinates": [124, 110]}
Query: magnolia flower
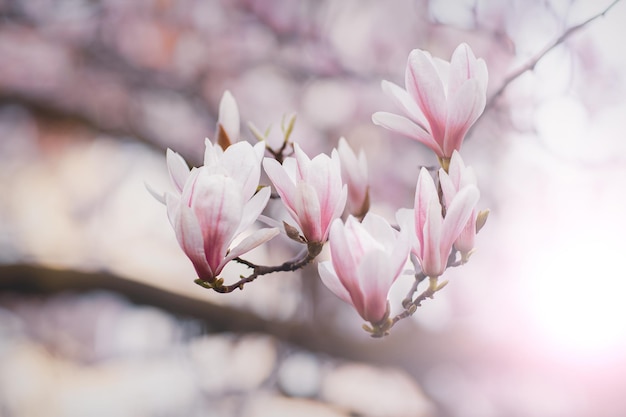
{"type": "Point", "coordinates": [458, 177]}
{"type": "Point", "coordinates": [441, 102]}
{"type": "Point", "coordinates": [215, 203]}
{"type": "Point", "coordinates": [367, 258]}
{"type": "Point", "coordinates": [432, 234]}
{"type": "Point", "coordinates": [311, 190]}
{"type": "Point", "coordinates": [227, 129]}
{"type": "Point", "coordinates": [354, 174]}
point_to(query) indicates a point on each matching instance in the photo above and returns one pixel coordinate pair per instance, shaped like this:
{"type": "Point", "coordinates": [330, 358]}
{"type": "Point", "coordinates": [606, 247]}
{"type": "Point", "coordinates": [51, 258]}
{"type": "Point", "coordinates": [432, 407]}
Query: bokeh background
{"type": "Point", "coordinates": [99, 314]}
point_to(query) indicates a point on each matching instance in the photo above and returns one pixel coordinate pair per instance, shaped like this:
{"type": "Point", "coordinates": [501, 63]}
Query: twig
{"type": "Point", "coordinates": [530, 65]}
{"type": "Point", "coordinates": [313, 249]}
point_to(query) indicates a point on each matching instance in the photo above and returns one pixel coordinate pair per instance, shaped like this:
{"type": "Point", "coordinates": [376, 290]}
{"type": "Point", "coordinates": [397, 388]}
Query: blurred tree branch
{"type": "Point", "coordinates": [530, 65]}
{"type": "Point", "coordinates": [319, 335]}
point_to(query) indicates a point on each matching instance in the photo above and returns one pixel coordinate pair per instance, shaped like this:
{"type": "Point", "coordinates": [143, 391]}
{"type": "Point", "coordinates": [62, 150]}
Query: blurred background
{"type": "Point", "coordinates": [99, 314]}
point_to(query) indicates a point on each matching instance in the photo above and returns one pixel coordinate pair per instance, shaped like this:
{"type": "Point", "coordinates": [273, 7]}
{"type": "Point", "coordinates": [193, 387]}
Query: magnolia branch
{"type": "Point", "coordinates": [313, 249]}
{"type": "Point", "coordinates": [530, 65]}
{"type": "Point", "coordinates": [409, 303]}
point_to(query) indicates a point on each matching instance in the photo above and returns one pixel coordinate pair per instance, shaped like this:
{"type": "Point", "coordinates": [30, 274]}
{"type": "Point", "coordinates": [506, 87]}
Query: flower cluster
{"type": "Point", "coordinates": [213, 207]}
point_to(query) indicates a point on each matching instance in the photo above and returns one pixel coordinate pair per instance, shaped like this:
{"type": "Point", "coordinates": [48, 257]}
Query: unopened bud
{"type": "Point", "coordinates": [293, 233]}
{"type": "Point", "coordinates": [481, 219]}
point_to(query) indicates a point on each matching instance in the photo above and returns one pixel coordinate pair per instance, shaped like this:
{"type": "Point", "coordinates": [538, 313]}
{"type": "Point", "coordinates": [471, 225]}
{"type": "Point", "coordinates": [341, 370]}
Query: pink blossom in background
{"type": "Point", "coordinates": [367, 258]}
{"type": "Point", "coordinates": [458, 177]}
{"type": "Point", "coordinates": [216, 204]}
{"type": "Point", "coordinates": [442, 99]}
{"type": "Point", "coordinates": [311, 190]}
{"type": "Point", "coordinates": [432, 234]}
{"type": "Point", "coordinates": [354, 174]}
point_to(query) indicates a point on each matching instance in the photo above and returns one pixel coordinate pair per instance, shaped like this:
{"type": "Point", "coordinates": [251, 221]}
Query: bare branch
{"type": "Point", "coordinates": [313, 249]}
{"type": "Point", "coordinates": [530, 65]}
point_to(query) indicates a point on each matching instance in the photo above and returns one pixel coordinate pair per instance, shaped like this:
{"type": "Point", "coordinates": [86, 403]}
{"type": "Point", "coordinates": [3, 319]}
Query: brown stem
{"type": "Point", "coordinates": [313, 249]}
{"type": "Point", "coordinates": [409, 304]}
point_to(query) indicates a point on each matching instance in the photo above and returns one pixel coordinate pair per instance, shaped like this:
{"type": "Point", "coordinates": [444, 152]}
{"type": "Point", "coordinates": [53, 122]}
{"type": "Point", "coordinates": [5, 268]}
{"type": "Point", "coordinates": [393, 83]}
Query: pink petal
{"type": "Point", "coordinates": [218, 205]}
{"type": "Point", "coordinates": [403, 100]}
{"type": "Point", "coordinates": [284, 185]}
{"type": "Point", "coordinates": [353, 174]}
{"type": "Point", "coordinates": [465, 106]}
{"type": "Point", "coordinates": [406, 127]}
{"type": "Point", "coordinates": [433, 259]}
{"type": "Point", "coordinates": [457, 215]}
{"type": "Point", "coordinates": [307, 206]}
{"type": "Point", "coordinates": [344, 260]}
{"type": "Point", "coordinates": [189, 237]}
{"type": "Point", "coordinates": [331, 281]}
{"type": "Point", "coordinates": [375, 281]}
{"type": "Point", "coordinates": [303, 162]}
{"type": "Point", "coordinates": [465, 66]}
{"type": "Point", "coordinates": [461, 67]}
{"type": "Point", "coordinates": [425, 192]}
{"type": "Point", "coordinates": [425, 86]}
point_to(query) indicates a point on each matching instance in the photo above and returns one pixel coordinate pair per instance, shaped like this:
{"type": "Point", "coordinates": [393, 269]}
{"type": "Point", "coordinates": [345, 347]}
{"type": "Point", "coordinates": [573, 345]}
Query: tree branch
{"type": "Point", "coordinates": [530, 65]}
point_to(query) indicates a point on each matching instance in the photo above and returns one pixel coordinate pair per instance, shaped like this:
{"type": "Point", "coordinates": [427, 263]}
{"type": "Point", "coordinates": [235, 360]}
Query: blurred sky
{"type": "Point", "coordinates": [92, 92]}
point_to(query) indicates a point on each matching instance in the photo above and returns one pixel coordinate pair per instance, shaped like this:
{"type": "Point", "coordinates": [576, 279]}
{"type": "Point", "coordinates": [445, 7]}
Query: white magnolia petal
{"type": "Point", "coordinates": [380, 229]}
{"type": "Point", "coordinates": [178, 169]}
{"type": "Point", "coordinates": [332, 282]}
{"type": "Point", "coordinates": [284, 185]}
{"type": "Point", "coordinates": [160, 197]}
{"type": "Point", "coordinates": [250, 242]}
{"type": "Point", "coordinates": [400, 252]}
{"type": "Point", "coordinates": [464, 108]}
{"type": "Point", "coordinates": [458, 214]}
{"type": "Point", "coordinates": [404, 126]}
{"type": "Point", "coordinates": [240, 161]}
{"type": "Point", "coordinates": [253, 209]}
{"type": "Point", "coordinates": [259, 150]}
{"type": "Point", "coordinates": [406, 220]}
{"type": "Point", "coordinates": [212, 154]}
{"type": "Point", "coordinates": [424, 84]}
{"type": "Point", "coordinates": [229, 116]}
{"type": "Point", "coordinates": [404, 100]}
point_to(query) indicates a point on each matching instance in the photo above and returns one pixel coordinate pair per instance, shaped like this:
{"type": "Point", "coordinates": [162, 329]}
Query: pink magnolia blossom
{"type": "Point", "coordinates": [215, 203]}
{"type": "Point", "coordinates": [442, 99]}
{"type": "Point", "coordinates": [458, 177]}
{"type": "Point", "coordinates": [366, 259]}
{"type": "Point", "coordinates": [433, 234]}
{"type": "Point", "coordinates": [227, 130]}
{"type": "Point", "coordinates": [311, 190]}
{"type": "Point", "coordinates": [354, 174]}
